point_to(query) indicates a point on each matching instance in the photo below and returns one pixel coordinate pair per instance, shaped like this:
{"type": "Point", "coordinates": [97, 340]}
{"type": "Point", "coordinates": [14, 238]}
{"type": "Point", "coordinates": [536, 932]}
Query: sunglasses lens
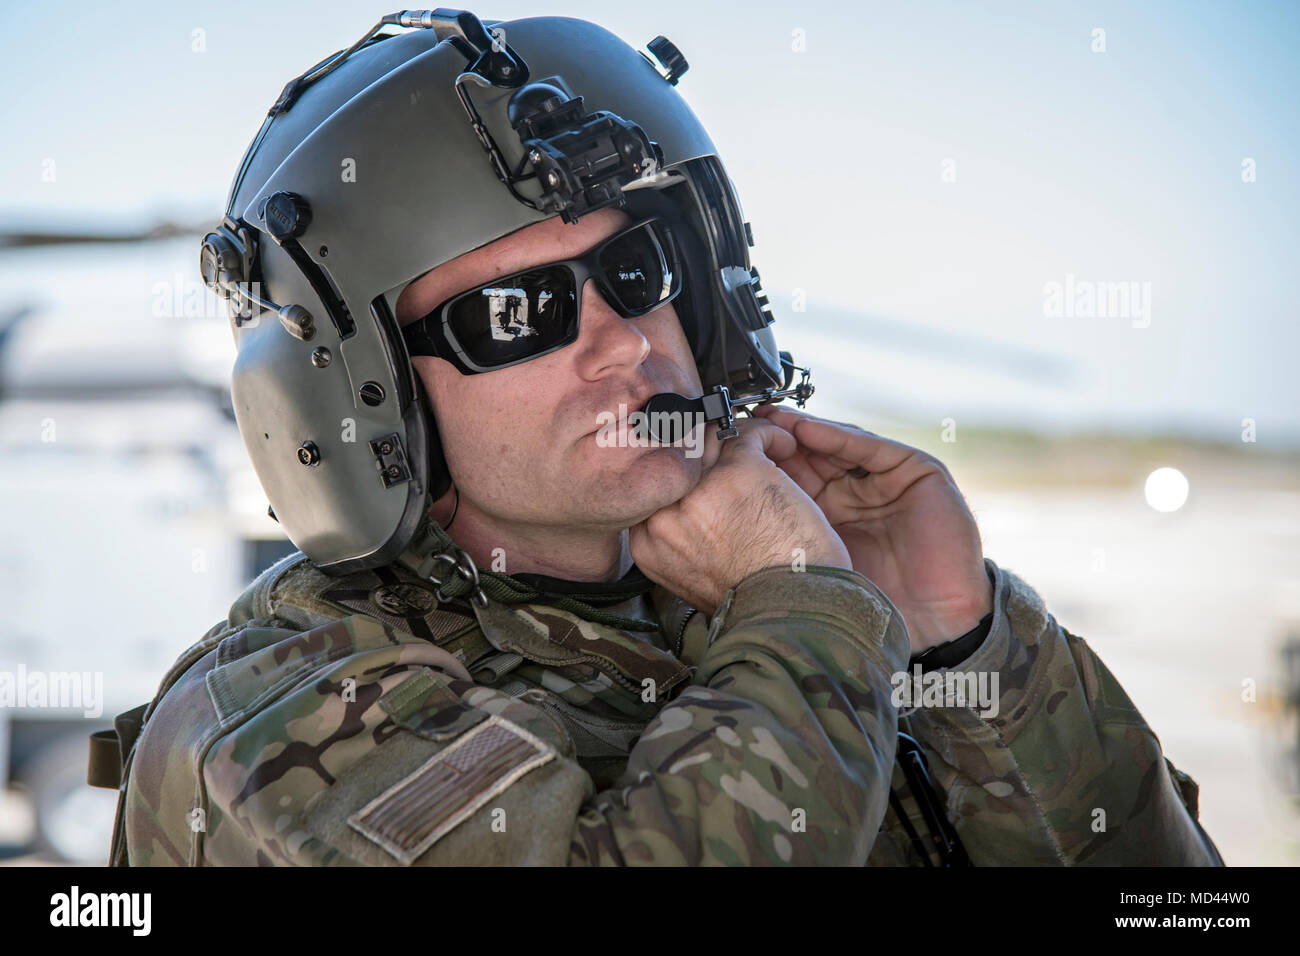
{"type": "Point", "coordinates": [640, 268]}
{"type": "Point", "coordinates": [516, 318]}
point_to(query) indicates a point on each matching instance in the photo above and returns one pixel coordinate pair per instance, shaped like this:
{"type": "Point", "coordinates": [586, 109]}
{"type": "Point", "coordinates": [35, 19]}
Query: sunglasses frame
{"type": "Point", "coordinates": [431, 334]}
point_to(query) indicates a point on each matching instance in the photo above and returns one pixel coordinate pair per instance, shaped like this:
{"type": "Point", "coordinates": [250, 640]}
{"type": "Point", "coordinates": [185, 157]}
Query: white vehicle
{"type": "Point", "coordinates": [129, 519]}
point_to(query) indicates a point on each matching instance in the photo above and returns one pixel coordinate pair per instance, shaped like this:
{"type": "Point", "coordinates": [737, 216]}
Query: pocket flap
{"type": "Point", "coordinates": [426, 705]}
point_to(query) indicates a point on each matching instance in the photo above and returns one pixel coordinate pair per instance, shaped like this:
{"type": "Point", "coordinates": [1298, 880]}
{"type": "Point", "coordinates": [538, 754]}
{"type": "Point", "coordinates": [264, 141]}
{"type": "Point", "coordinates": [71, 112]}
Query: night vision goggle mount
{"type": "Point", "coordinates": [580, 161]}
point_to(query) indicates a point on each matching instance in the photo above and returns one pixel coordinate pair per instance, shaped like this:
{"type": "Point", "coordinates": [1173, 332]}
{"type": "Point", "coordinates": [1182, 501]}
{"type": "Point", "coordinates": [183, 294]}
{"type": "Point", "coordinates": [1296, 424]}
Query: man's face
{"type": "Point", "coordinates": [521, 442]}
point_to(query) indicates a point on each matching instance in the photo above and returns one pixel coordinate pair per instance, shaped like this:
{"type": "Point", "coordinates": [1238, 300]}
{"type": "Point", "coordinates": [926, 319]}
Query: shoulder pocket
{"type": "Point", "coordinates": [449, 788]}
{"type": "Point", "coordinates": [443, 768]}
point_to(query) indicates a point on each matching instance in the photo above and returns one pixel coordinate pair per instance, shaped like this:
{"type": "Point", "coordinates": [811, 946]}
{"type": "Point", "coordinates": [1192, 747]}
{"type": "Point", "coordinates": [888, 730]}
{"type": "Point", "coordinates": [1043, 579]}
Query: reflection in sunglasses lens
{"type": "Point", "coordinates": [504, 323]}
{"type": "Point", "coordinates": [637, 269]}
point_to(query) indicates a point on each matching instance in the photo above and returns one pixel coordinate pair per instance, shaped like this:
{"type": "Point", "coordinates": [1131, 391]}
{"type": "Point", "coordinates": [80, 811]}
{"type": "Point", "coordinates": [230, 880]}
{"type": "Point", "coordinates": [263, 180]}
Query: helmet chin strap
{"type": "Point", "coordinates": [455, 508]}
{"type": "Point", "coordinates": [439, 477]}
{"type": "Point", "coordinates": [435, 557]}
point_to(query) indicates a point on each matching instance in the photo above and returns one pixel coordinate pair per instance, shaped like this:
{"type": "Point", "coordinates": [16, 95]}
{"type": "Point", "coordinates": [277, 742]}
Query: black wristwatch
{"type": "Point", "coordinates": [951, 653]}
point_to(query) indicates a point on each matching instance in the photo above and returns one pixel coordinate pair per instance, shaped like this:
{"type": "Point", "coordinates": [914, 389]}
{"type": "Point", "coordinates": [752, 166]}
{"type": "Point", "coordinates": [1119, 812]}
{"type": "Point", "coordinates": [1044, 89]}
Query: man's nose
{"type": "Point", "coordinates": [605, 338]}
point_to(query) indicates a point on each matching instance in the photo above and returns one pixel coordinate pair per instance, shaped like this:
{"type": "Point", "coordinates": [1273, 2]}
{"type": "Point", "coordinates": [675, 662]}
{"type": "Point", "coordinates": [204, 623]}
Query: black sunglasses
{"type": "Point", "coordinates": [527, 314]}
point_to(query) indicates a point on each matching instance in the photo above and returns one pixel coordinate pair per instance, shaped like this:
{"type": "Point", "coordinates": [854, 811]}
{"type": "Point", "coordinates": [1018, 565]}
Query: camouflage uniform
{"type": "Point", "coordinates": [356, 720]}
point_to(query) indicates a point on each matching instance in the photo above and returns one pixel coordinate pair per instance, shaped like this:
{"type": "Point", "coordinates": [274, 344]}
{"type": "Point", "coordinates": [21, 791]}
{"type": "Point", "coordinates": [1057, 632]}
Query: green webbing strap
{"type": "Point", "coordinates": [109, 749]}
{"type": "Point", "coordinates": [105, 766]}
{"type": "Point", "coordinates": [433, 554]}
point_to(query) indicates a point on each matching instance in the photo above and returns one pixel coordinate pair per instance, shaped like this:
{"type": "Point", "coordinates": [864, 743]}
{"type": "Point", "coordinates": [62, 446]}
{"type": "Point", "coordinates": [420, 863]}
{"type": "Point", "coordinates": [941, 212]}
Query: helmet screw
{"type": "Point", "coordinates": [320, 357]}
{"type": "Point", "coordinates": [372, 393]}
{"type": "Point", "coordinates": [385, 448]}
{"type": "Point", "coordinates": [551, 178]}
{"type": "Point", "coordinates": [308, 453]}
{"type": "Point", "coordinates": [394, 471]}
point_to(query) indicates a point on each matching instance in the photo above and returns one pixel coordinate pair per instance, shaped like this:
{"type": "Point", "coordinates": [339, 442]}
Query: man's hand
{"type": "Point", "coordinates": [743, 516]}
{"type": "Point", "coordinates": [905, 524]}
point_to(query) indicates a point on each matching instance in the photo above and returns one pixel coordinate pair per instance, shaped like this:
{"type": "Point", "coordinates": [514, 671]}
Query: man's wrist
{"type": "Point", "coordinates": [951, 653]}
{"type": "Point", "coordinates": [936, 632]}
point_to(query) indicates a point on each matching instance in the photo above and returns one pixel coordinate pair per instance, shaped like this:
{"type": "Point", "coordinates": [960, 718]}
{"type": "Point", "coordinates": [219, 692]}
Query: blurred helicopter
{"type": "Point", "coordinates": [130, 516]}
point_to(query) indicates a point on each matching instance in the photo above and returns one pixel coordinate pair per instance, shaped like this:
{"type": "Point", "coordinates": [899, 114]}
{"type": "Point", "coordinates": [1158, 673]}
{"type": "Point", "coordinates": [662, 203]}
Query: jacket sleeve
{"type": "Point", "coordinates": [780, 750]}
{"type": "Point", "coordinates": [1054, 764]}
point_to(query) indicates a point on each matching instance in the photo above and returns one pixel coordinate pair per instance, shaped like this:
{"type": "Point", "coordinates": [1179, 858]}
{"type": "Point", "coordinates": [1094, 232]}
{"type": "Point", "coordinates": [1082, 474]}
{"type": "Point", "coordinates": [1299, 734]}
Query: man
{"type": "Point", "coordinates": [549, 494]}
{"type": "Point", "coordinates": [674, 659]}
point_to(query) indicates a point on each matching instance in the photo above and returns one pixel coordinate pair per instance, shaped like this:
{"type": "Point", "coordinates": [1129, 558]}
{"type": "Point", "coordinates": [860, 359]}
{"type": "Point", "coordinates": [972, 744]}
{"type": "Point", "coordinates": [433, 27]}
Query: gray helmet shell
{"type": "Point", "coordinates": [373, 176]}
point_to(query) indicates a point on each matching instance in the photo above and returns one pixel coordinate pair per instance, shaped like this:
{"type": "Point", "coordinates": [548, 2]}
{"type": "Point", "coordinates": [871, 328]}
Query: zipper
{"type": "Point", "coordinates": [681, 631]}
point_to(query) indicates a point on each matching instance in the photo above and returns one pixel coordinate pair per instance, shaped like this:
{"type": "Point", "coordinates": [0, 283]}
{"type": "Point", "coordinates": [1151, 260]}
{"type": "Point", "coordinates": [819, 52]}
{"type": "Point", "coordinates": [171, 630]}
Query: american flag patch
{"type": "Point", "coordinates": [418, 810]}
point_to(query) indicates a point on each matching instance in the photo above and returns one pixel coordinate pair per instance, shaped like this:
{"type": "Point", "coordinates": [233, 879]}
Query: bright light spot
{"type": "Point", "coordinates": [1166, 489]}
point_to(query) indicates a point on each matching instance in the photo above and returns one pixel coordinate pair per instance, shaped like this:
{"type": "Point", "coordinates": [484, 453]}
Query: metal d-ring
{"type": "Point", "coordinates": [444, 556]}
{"type": "Point", "coordinates": [462, 564]}
{"type": "Point", "coordinates": [471, 578]}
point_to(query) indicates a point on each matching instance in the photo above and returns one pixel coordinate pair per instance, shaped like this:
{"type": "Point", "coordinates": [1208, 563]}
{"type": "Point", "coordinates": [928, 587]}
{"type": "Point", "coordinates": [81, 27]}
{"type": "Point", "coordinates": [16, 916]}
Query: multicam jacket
{"type": "Point", "coordinates": [358, 720]}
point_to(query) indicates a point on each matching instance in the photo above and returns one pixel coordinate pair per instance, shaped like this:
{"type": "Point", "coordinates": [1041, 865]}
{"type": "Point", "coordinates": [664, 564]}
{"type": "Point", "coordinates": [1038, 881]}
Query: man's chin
{"type": "Point", "coordinates": [659, 459]}
{"type": "Point", "coordinates": [631, 444]}
{"type": "Point", "coordinates": [642, 479]}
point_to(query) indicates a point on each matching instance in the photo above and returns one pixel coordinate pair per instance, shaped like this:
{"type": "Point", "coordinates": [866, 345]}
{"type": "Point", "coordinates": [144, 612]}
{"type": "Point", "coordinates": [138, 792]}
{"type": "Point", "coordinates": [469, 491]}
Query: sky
{"type": "Point", "coordinates": [919, 177]}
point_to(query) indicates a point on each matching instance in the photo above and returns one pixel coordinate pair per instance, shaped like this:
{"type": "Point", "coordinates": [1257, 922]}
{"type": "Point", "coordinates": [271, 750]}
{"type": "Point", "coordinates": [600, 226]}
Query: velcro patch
{"type": "Point", "coordinates": [418, 810]}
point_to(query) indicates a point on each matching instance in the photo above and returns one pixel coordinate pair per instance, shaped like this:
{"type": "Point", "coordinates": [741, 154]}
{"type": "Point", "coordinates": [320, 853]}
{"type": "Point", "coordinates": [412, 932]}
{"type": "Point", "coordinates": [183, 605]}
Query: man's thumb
{"type": "Point", "coordinates": [762, 437]}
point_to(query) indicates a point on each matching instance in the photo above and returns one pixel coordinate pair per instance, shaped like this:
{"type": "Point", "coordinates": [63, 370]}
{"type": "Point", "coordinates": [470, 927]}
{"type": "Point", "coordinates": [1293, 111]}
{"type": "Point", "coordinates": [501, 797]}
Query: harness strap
{"type": "Point", "coordinates": [110, 752]}
{"type": "Point", "coordinates": [911, 758]}
{"type": "Point", "coordinates": [432, 550]}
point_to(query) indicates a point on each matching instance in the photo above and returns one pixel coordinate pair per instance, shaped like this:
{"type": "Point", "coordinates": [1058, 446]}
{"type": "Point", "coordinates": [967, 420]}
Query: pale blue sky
{"type": "Point", "coordinates": [1115, 166]}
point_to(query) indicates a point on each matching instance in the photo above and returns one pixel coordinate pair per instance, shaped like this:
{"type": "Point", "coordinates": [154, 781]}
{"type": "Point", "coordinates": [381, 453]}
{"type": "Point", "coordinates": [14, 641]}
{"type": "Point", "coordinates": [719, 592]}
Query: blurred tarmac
{"type": "Point", "coordinates": [1182, 607]}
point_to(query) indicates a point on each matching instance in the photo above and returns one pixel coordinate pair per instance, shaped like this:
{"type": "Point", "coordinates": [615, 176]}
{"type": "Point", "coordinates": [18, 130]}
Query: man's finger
{"type": "Point", "coordinates": [773, 442]}
{"type": "Point", "coordinates": [804, 474]}
{"type": "Point", "coordinates": [827, 469]}
{"type": "Point", "coordinates": [837, 441]}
